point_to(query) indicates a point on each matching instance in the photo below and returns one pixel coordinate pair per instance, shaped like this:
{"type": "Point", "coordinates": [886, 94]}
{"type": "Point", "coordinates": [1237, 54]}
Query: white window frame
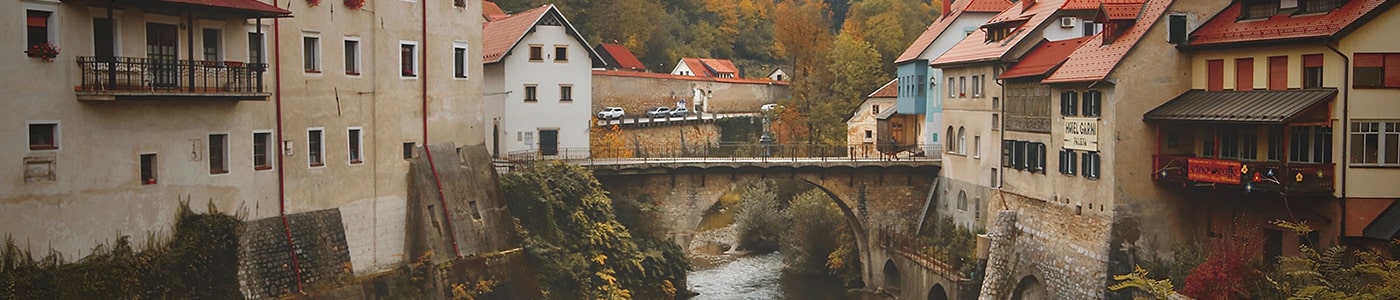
{"type": "Point", "coordinates": [466, 60]}
{"type": "Point", "coordinates": [116, 29]}
{"type": "Point", "coordinates": [952, 92]}
{"type": "Point", "coordinates": [417, 71]}
{"type": "Point", "coordinates": [321, 151]}
{"type": "Point", "coordinates": [220, 50]}
{"type": "Point", "coordinates": [977, 86]}
{"type": "Point", "coordinates": [1383, 136]}
{"type": "Point", "coordinates": [317, 59]}
{"type": "Point", "coordinates": [359, 134]}
{"type": "Point", "coordinates": [962, 140]}
{"type": "Point", "coordinates": [271, 148]}
{"type": "Point", "coordinates": [977, 146]}
{"type": "Point", "coordinates": [54, 20]}
{"type": "Point", "coordinates": [359, 54]}
{"type": "Point", "coordinates": [227, 166]}
{"type": "Point", "coordinates": [262, 44]}
{"type": "Point", "coordinates": [57, 135]}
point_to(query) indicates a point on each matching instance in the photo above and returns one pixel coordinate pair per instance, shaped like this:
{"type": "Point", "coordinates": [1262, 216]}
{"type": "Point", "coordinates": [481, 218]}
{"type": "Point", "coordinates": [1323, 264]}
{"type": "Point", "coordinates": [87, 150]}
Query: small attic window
{"type": "Point", "coordinates": [1255, 9]}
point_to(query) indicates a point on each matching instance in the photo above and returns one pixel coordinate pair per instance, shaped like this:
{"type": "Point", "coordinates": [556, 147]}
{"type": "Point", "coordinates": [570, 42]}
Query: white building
{"type": "Point", "coordinates": [538, 84]}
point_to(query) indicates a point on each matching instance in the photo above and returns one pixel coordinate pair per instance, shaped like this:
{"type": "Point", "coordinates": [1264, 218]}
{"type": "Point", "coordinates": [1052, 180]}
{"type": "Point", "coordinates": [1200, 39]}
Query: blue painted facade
{"type": "Point", "coordinates": [918, 94]}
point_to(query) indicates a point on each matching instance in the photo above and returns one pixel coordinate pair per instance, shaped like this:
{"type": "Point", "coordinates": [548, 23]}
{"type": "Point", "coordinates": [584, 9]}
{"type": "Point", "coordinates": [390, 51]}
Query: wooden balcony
{"type": "Point", "coordinates": [1286, 178]}
{"type": "Point", "coordinates": [131, 78]}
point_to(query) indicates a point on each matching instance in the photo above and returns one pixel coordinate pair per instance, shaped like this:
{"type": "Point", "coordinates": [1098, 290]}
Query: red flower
{"type": "Point", "coordinates": [46, 51]}
{"type": "Point", "coordinates": [355, 4]}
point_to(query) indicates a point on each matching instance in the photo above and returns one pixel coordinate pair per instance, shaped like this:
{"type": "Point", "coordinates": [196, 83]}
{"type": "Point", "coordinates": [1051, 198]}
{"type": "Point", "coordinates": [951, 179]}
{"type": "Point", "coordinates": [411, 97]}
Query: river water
{"type": "Point", "coordinates": [761, 277]}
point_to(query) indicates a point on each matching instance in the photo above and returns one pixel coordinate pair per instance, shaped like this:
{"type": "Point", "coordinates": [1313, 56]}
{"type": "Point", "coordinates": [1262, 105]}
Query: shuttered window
{"type": "Point", "coordinates": [1215, 75]}
{"type": "Point", "coordinates": [1244, 74]}
{"type": "Point", "coordinates": [1278, 73]}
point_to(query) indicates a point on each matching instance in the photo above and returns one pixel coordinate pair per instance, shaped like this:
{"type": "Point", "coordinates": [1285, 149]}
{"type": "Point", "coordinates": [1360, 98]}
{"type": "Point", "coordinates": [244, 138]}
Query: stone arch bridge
{"type": "Point", "coordinates": [872, 194]}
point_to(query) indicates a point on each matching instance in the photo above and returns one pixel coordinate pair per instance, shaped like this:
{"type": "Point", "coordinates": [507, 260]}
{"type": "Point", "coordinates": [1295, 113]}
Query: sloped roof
{"type": "Point", "coordinates": [621, 56]}
{"type": "Point", "coordinates": [1120, 11]}
{"type": "Point", "coordinates": [1081, 5]}
{"type": "Point", "coordinates": [1256, 107]}
{"type": "Point", "coordinates": [501, 35]}
{"type": "Point", "coordinates": [1093, 60]}
{"type": "Point", "coordinates": [720, 65]}
{"type": "Point", "coordinates": [245, 7]}
{"type": "Point", "coordinates": [889, 90]}
{"type": "Point", "coordinates": [1224, 28]}
{"type": "Point", "coordinates": [1044, 58]}
{"type": "Point", "coordinates": [491, 12]}
{"type": "Point", "coordinates": [684, 77]}
{"type": "Point", "coordinates": [973, 48]}
{"type": "Point", "coordinates": [939, 26]}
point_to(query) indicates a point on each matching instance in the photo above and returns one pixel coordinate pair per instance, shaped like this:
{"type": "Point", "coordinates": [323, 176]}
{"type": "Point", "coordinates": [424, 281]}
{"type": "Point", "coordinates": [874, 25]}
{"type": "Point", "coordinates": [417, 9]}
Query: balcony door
{"type": "Point", "coordinates": [162, 51]}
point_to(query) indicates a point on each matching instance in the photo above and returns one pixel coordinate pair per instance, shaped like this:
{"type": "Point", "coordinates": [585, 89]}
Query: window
{"type": "Point", "coordinates": [1275, 144]}
{"type": "Point", "coordinates": [952, 92]}
{"type": "Point", "coordinates": [262, 149]}
{"type": "Point", "coordinates": [315, 147]}
{"type": "Point", "coordinates": [962, 200]}
{"type": "Point", "coordinates": [476, 211]}
{"type": "Point", "coordinates": [1068, 162]}
{"type": "Point", "coordinates": [212, 40]}
{"type": "Point", "coordinates": [952, 146]}
{"type": "Point", "coordinates": [1215, 75]}
{"type": "Point", "coordinates": [37, 24]}
{"type": "Point", "coordinates": [408, 59]}
{"type": "Point", "coordinates": [1312, 71]}
{"type": "Point", "coordinates": [1208, 143]}
{"type": "Point", "coordinates": [531, 94]}
{"type": "Point", "coordinates": [218, 153]}
{"type": "Point", "coordinates": [994, 177]}
{"type": "Point", "coordinates": [1244, 74]}
{"type": "Point", "coordinates": [459, 60]}
{"type": "Point", "coordinates": [962, 86]}
{"type": "Point", "coordinates": [1237, 144]}
{"type": "Point", "coordinates": [536, 53]}
{"type": "Point", "coordinates": [1257, 9]}
{"type": "Point", "coordinates": [1377, 70]}
{"type": "Point", "coordinates": [311, 53]}
{"type": "Point", "coordinates": [148, 168]}
{"type": "Point", "coordinates": [1091, 28]}
{"type": "Point", "coordinates": [1375, 143]}
{"type": "Point", "coordinates": [1008, 153]}
{"type": "Point", "coordinates": [561, 53]}
{"type": "Point", "coordinates": [1091, 165]}
{"type": "Point", "coordinates": [1069, 103]}
{"type": "Point", "coordinates": [43, 136]}
{"type": "Point", "coordinates": [255, 48]}
{"type": "Point", "coordinates": [352, 57]}
{"type": "Point", "coordinates": [1310, 144]}
{"type": "Point", "coordinates": [408, 149]}
{"type": "Point", "coordinates": [1093, 102]}
{"type": "Point", "coordinates": [566, 93]}
{"type": "Point", "coordinates": [962, 141]}
{"type": "Point", "coordinates": [977, 146]}
{"type": "Point", "coordinates": [1035, 155]}
{"type": "Point", "coordinates": [356, 148]}
{"type": "Point", "coordinates": [459, 3]}
{"type": "Point", "coordinates": [1317, 6]}
{"type": "Point", "coordinates": [874, 109]}
{"type": "Point", "coordinates": [1278, 72]}
{"type": "Point", "coordinates": [996, 122]}
{"type": "Point", "coordinates": [977, 86]}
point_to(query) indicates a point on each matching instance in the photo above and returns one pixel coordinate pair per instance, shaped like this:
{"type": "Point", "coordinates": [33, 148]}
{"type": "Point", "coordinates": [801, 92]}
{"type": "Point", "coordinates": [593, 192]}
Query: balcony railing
{"type": "Point", "coordinates": [111, 78]}
{"type": "Point", "coordinates": [1276, 176]}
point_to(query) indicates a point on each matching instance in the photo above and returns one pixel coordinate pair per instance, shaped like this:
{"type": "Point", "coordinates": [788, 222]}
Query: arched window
{"type": "Point", "coordinates": [952, 144]}
{"type": "Point", "coordinates": [962, 200]}
{"type": "Point", "coordinates": [962, 141]}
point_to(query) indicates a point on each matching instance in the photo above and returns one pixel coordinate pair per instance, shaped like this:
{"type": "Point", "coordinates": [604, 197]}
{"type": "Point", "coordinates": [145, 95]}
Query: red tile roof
{"type": "Point", "coordinates": [683, 77]}
{"type": "Point", "coordinates": [624, 58]}
{"type": "Point", "coordinates": [939, 26]}
{"type": "Point", "coordinates": [1121, 11]}
{"type": "Point", "coordinates": [1081, 5]}
{"type": "Point", "coordinates": [889, 90]}
{"type": "Point", "coordinates": [253, 7]}
{"type": "Point", "coordinates": [1224, 29]}
{"type": "Point", "coordinates": [973, 48]}
{"type": "Point", "coordinates": [491, 12]}
{"type": "Point", "coordinates": [720, 65]}
{"type": "Point", "coordinates": [1094, 60]}
{"type": "Point", "coordinates": [501, 35]}
{"type": "Point", "coordinates": [710, 67]}
{"type": "Point", "coordinates": [1044, 58]}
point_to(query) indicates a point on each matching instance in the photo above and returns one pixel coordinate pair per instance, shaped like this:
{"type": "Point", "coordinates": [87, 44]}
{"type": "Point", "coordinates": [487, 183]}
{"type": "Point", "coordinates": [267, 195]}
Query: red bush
{"type": "Point", "coordinates": [1229, 270]}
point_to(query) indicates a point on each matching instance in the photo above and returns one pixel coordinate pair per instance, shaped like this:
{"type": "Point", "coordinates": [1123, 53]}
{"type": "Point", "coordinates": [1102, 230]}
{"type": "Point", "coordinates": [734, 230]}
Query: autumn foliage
{"type": "Point", "coordinates": [1230, 269]}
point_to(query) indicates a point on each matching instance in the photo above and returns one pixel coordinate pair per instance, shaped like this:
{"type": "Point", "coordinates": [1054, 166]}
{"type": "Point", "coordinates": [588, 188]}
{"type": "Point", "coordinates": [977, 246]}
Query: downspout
{"type": "Point", "coordinates": [1001, 133]}
{"type": "Point", "coordinates": [423, 81]}
{"type": "Point", "coordinates": [1346, 84]}
{"type": "Point", "coordinates": [281, 173]}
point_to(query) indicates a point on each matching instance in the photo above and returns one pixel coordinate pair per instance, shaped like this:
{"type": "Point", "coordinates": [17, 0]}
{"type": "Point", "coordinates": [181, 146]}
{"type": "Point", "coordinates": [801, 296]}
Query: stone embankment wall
{"type": "Point", "coordinates": [1047, 248]}
{"type": "Point", "coordinates": [638, 92]}
{"type": "Point", "coordinates": [664, 140]}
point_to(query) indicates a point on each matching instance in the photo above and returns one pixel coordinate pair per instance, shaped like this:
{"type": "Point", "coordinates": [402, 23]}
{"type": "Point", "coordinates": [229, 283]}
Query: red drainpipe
{"type": "Point", "coordinates": [281, 175]}
{"type": "Point", "coordinates": [423, 80]}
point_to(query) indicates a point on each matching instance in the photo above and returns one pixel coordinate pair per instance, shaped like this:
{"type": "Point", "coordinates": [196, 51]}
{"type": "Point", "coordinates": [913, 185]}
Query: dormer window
{"type": "Point", "coordinates": [1000, 31]}
{"type": "Point", "coordinates": [1255, 9]}
{"type": "Point", "coordinates": [1317, 6]}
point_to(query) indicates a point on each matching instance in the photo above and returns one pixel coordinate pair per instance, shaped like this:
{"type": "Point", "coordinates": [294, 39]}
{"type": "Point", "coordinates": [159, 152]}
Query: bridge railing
{"type": "Point", "coordinates": [939, 262]}
{"type": "Point", "coordinates": [730, 152]}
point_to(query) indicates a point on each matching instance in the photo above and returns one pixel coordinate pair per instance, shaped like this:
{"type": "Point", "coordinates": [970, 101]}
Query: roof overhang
{"type": "Point", "coordinates": [241, 8]}
{"type": "Point", "coordinates": [1386, 226]}
{"type": "Point", "coordinates": [1248, 107]}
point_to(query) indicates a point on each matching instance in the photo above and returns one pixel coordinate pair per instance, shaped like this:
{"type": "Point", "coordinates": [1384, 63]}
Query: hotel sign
{"type": "Point", "coordinates": [1081, 133]}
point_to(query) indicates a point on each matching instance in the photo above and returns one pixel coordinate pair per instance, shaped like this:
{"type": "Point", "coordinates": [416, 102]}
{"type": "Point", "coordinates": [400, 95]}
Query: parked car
{"type": "Point", "coordinates": [768, 107]}
{"type": "Point", "coordinates": [611, 113]}
{"type": "Point", "coordinates": [680, 112]}
{"type": "Point", "coordinates": [659, 112]}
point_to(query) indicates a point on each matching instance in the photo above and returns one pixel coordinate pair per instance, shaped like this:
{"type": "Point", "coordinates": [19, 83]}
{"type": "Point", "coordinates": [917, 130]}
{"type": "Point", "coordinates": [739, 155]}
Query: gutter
{"type": "Point", "coordinates": [281, 168]}
{"type": "Point", "coordinates": [1346, 86]}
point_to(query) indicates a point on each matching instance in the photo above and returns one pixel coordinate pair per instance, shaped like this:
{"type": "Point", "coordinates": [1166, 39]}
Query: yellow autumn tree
{"type": "Point", "coordinates": [608, 141]}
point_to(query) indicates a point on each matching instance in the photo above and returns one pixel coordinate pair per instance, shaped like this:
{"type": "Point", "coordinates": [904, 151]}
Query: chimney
{"type": "Point", "coordinates": [1026, 5]}
{"type": "Point", "coordinates": [947, 7]}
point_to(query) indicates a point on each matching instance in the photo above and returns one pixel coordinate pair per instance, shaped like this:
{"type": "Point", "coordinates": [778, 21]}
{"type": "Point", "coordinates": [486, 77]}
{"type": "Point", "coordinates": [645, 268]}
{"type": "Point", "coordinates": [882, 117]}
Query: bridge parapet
{"type": "Point", "coordinates": [737, 156]}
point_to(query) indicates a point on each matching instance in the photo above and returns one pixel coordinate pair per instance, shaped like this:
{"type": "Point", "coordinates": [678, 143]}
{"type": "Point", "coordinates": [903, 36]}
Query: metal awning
{"type": "Point", "coordinates": [1387, 225]}
{"type": "Point", "coordinates": [1256, 107]}
{"type": "Point", "coordinates": [240, 8]}
{"type": "Point", "coordinates": [885, 114]}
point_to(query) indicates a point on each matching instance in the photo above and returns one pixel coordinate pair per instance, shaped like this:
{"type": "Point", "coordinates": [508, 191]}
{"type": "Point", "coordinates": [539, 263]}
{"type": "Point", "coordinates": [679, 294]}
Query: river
{"type": "Point", "coordinates": [761, 277]}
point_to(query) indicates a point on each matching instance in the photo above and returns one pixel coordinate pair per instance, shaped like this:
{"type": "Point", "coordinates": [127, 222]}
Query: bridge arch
{"type": "Point", "coordinates": [892, 279]}
{"type": "Point", "coordinates": [1030, 288]}
{"type": "Point", "coordinates": [937, 292]}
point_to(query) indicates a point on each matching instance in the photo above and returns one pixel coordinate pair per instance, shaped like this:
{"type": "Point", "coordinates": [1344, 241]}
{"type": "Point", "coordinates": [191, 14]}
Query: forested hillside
{"type": "Point", "coordinates": [835, 50]}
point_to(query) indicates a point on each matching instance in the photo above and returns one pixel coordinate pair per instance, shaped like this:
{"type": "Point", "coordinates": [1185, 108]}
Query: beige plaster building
{"type": "Point", "coordinates": [153, 102]}
{"type": "Point", "coordinates": [868, 128]}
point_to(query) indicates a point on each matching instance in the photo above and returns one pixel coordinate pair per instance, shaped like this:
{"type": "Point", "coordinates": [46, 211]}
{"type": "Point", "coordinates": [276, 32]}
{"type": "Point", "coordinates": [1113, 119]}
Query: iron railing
{"type": "Point", "coordinates": [732, 152]}
{"type": "Point", "coordinates": [940, 262]}
{"type": "Point", "coordinates": [150, 75]}
{"type": "Point", "coordinates": [1284, 177]}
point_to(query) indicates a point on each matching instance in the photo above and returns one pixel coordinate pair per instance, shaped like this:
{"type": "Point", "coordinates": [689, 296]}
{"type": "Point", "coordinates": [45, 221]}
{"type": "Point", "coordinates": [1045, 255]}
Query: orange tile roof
{"type": "Point", "coordinates": [1081, 5]}
{"type": "Point", "coordinates": [1093, 60]}
{"type": "Point", "coordinates": [939, 26]}
{"type": "Point", "coordinates": [1119, 11]}
{"type": "Point", "coordinates": [710, 67]}
{"type": "Point", "coordinates": [1224, 29]}
{"type": "Point", "coordinates": [499, 36]}
{"type": "Point", "coordinates": [889, 90]}
{"type": "Point", "coordinates": [684, 77]}
{"type": "Point", "coordinates": [623, 57]}
{"type": "Point", "coordinates": [1044, 58]}
{"type": "Point", "coordinates": [973, 48]}
{"type": "Point", "coordinates": [720, 65]}
{"type": "Point", "coordinates": [491, 12]}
